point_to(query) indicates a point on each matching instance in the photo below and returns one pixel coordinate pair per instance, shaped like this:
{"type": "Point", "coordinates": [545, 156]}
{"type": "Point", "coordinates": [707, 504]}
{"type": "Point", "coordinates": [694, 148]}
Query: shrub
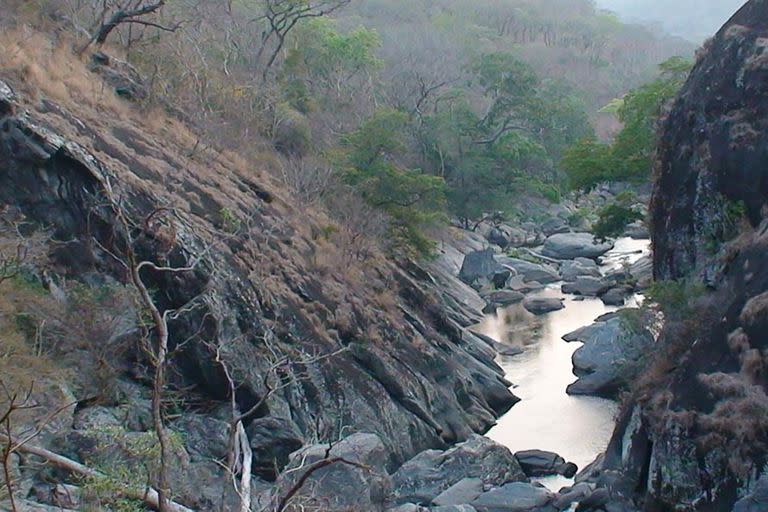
{"type": "Point", "coordinates": [614, 218]}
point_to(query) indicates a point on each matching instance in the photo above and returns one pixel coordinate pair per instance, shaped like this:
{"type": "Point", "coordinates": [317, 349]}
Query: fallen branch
{"type": "Point", "coordinates": [149, 496]}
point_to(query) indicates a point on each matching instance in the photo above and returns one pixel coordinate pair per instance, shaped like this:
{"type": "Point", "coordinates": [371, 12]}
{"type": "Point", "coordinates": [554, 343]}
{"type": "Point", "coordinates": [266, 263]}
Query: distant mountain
{"type": "Point", "coordinates": [693, 19]}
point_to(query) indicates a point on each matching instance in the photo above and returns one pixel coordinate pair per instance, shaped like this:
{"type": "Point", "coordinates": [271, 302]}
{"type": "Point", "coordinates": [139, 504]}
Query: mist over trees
{"type": "Point", "coordinates": [695, 20]}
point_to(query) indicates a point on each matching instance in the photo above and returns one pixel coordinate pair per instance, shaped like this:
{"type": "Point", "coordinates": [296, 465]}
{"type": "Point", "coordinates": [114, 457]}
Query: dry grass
{"type": "Point", "coordinates": [150, 150]}
{"type": "Point", "coordinates": [44, 68]}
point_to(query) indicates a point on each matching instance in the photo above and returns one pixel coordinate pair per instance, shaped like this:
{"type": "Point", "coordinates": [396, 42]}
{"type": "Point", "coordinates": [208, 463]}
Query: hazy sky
{"type": "Point", "coordinates": [693, 19]}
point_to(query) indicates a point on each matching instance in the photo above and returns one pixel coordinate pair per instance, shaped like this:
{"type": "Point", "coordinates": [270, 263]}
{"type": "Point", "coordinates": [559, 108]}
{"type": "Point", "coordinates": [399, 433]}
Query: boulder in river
{"type": "Point", "coordinates": [614, 352]}
{"type": "Point", "coordinates": [430, 473]}
{"type": "Point", "coordinates": [588, 286]}
{"type": "Point", "coordinates": [567, 246]}
{"type": "Point", "coordinates": [530, 271]}
{"type": "Point", "coordinates": [617, 295]}
{"type": "Point", "coordinates": [513, 497]}
{"type": "Point", "coordinates": [543, 463]}
{"type": "Point", "coordinates": [503, 297]}
{"type": "Point", "coordinates": [543, 305]}
{"type": "Point", "coordinates": [580, 267]}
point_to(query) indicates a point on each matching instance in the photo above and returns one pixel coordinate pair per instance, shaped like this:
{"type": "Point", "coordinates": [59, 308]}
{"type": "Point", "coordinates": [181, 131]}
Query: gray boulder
{"type": "Point", "coordinates": [430, 473]}
{"type": "Point", "coordinates": [519, 284]}
{"type": "Point", "coordinates": [340, 485]}
{"type": "Point", "coordinates": [614, 351]}
{"type": "Point", "coordinates": [555, 226]}
{"type": "Point", "coordinates": [616, 296]}
{"type": "Point", "coordinates": [543, 305]}
{"type": "Point", "coordinates": [588, 286]}
{"type": "Point", "coordinates": [540, 273]}
{"type": "Point", "coordinates": [478, 266]}
{"type": "Point", "coordinates": [513, 497]}
{"type": "Point", "coordinates": [567, 246]}
{"type": "Point", "coordinates": [638, 231]}
{"type": "Point", "coordinates": [503, 297]}
{"type": "Point", "coordinates": [642, 272]}
{"type": "Point", "coordinates": [543, 463]}
{"type": "Point", "coordinates": [272, 442]}
{"type": "Point", "coordinates": [205, 437]}
{"type": "Point", "coordinates": [580, 267]}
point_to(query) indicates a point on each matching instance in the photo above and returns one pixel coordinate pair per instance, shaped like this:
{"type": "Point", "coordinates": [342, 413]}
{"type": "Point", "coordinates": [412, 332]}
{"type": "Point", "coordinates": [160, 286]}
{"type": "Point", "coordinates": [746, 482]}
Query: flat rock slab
{"type": "Point", "coordinates": [543, 305]}
{"type": "Point", "coordinates": [462, 492]}
{"type": "Point", "coordinates": [514, 497]}
{"type": "Point", "coordinates": [567, 246]}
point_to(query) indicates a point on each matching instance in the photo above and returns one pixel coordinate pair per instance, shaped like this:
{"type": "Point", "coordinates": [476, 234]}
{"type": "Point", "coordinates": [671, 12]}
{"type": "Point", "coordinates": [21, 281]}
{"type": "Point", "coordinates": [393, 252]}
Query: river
{"type": "Point", "coordinates": [547, 418]}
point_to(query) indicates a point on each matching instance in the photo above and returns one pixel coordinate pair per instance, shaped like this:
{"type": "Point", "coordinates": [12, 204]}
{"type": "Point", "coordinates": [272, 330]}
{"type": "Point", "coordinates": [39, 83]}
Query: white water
{"type": "Point", "coordinates": [576, 427]}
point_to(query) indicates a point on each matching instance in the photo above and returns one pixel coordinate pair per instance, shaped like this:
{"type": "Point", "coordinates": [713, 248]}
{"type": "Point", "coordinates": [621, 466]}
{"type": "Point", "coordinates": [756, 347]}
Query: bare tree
{"type": "Point", "coordinates": [280, 374]}
{"type": "Point", "coordinates": [114, 13]}
{"type": "Point", "coordinates": [282, 16]}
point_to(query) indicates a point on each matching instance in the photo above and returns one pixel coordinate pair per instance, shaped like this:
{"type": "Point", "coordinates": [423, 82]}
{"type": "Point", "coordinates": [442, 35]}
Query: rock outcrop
{"type": "Point", "coordinates": [406, 371]}
{"type": "Point", "coordinates": [692, 437]}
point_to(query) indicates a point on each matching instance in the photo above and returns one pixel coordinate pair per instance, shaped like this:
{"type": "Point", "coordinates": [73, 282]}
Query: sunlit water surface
{"type": "Point", "coordinates": [576, 427]}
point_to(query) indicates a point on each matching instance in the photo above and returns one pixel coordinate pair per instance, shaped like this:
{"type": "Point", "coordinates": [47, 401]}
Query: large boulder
{"type": "Point", "coordinates": [614, 351]}
{"type": "Point", "coordinates": [503, 297]}
{"type": "Point", "coordinates": [580, 267]}
{"type": "Point", "coordinates": [567, 246]}
{"type": "Point", "coordinates": [642, 272]}
{"type": "Point", "coordinates": [588, 286]}
{"type": "Point", "coordinates": [478, 267]}
{"type": "Point", "coordinates": [513, 497]}
{"type": "Point", "coordinates": [543, 463]}
{"type": "Point", "coordinates": [206, 438]}
{"type": "Point", "coordinates": [431, 473]}
{"type": "Point", "coordinates": [530, 271]}
{"type": "Point", "coordinates": [543, 305]}
{"type": "Point", "coordinates": [272, 442]}
{"type": "Point", "coordinates": [354, 477]}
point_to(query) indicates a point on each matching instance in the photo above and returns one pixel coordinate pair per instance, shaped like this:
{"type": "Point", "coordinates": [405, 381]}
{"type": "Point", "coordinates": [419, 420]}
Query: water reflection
{"type": "Point", "coordinates": [576, 427]}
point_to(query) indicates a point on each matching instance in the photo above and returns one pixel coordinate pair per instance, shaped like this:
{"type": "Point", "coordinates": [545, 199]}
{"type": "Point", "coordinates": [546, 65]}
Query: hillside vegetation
{"type": "Point", "coordinates": [453, 110]}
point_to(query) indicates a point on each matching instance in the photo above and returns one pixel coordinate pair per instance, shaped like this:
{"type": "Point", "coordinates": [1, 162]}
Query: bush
{"type": "Point", "coordinates": [614, 218]}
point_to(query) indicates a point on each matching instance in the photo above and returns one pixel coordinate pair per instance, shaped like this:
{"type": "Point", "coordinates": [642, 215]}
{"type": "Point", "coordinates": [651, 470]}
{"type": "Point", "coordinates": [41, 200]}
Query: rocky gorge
{"type": "Point", "coordinates": [371, 391]}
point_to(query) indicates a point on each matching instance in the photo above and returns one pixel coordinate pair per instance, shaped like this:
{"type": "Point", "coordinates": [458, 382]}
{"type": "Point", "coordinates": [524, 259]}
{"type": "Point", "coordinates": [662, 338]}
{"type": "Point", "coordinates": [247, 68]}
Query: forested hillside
{"type": "Point", "coordinates": [693, 19]}
{"type": "Point", "coordinates": [426, 110]}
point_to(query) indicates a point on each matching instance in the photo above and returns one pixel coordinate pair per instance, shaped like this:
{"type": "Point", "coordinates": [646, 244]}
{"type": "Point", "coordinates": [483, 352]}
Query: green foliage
{"type": "Point", "coordinates": [323, 60]}
{"type": "Point", "coordinates": [614, 218]}
{"type": "Point", "coordinates": [489, 161]}
{"type": "Point", "coordinates": [588, 163]}
{"type": "Point", "coordinates": [674, 298]}
{"type": "Point", "coordinates": [414, 200]}
{"type": "Point", "coordinates": [134, 458]}
{"type": "Point", "coordinates": [229, 221]}
{"type": "Point", "coordinates": [629, 157]}
{"type": "Point", "coordinates": [730, 217]}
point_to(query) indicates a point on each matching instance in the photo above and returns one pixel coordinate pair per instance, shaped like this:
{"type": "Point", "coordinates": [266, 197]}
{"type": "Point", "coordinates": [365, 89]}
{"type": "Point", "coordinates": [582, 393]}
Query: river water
{"type": "Point", "coordinates": [547, 418]}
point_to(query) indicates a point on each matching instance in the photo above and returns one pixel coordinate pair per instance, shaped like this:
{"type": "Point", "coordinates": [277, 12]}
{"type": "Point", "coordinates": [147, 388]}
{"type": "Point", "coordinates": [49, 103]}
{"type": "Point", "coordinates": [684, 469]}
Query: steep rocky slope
{"type": "Point", "coordinates": [403, 365]}
{"type": "Point", "coordinates": [694, 434]}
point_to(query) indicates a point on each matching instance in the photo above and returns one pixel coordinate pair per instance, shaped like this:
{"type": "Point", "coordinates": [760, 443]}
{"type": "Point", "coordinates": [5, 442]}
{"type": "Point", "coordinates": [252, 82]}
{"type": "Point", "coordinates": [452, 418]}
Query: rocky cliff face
{"type": "Point", "coordinates": [693, 436]}
{"type": "Point", "coordinates": [404, 367]}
